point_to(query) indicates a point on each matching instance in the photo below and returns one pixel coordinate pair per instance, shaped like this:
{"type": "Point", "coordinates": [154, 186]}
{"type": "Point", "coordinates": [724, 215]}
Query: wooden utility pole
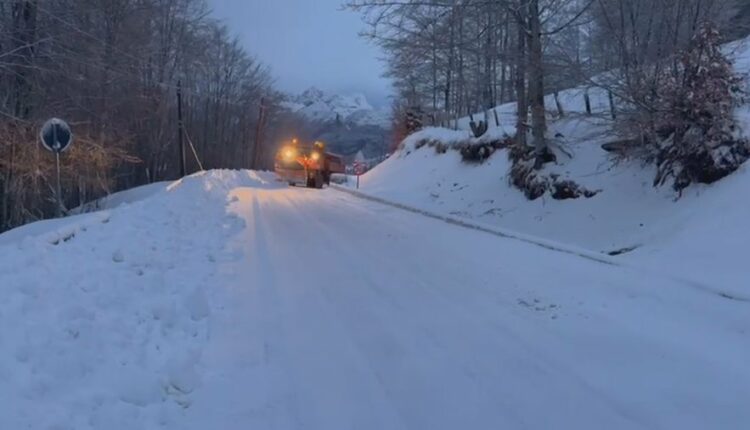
{"type": "Point", "coordinates": [180, 130]}
{"type": "Point", "coordinates": [259, 134]}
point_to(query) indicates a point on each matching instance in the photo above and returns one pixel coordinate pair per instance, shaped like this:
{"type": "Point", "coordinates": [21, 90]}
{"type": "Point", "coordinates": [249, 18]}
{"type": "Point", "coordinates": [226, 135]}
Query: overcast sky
{"type": "Point", "coordinates": [306, 43]}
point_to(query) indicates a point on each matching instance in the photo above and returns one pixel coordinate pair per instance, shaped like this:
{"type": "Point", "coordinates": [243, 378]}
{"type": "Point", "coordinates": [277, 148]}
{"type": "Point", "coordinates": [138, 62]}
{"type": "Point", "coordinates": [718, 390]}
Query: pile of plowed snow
{"type": "Point", "coordinates": [103, 316]}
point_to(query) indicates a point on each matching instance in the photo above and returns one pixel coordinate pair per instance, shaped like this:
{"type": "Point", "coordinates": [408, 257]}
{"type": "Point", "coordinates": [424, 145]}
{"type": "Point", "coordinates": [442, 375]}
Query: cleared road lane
{"type": "Point", "coordinates": [339, 313]}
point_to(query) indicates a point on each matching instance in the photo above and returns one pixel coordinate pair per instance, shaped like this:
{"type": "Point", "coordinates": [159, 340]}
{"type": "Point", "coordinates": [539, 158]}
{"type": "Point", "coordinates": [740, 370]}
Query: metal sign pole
{"type": "Point", "coordinates": [58, 188]}
{"type": "Point", "coordinates": [58, 211]}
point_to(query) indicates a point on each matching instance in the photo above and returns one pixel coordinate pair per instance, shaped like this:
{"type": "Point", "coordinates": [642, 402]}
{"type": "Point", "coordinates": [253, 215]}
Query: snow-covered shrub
{"type": "Point", "coordinates": [441, 148]}
{"type": "Point", "coordinates": [414, 119]}
{"type": "Point", "coordinates": [522, 173]}
{"type": "Point", "coordinates": [703, 143]}
{"type": "Point", "coordinates": [478, 152]}
{"type": "Point", "coordinates": [683, 110]}
{"type": "Point", "coordinates": [534, 183]}
{"type": "Point", "coordinates": [525, 178]}
{"type": "Point", "coordinates": [472, 150]}
{"type": "Point", "coordinates": [479, 128]}
{"type": "Point", "coordinates": [406, 121]}
{"type": "Point", "coordinates": [567, 189]}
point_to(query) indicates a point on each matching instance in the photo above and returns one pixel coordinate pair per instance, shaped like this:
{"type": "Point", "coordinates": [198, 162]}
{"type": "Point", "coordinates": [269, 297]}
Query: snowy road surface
{"type": "Point", "coordinates": [325, 311]}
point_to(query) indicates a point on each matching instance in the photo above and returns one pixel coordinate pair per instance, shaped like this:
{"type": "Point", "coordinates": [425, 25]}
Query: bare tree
{"type": "Point", "coordinates": [111, 68]}
{"type": "Point", "coordinates": [466, 48]}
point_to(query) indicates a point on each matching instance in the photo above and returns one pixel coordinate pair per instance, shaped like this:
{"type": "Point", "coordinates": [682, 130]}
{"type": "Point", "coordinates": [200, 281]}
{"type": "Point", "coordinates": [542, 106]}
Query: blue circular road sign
{"type": "Point", "coordinates": [56, 135]}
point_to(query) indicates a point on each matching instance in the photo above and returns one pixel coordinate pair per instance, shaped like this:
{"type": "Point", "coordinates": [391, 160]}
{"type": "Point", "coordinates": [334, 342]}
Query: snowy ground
{"type": "Point", "coordinates": [227, 301]}
{"type": "Point", "coordinates": [103, 316]}
{"type": "Point", "coordinates": [701, 236]}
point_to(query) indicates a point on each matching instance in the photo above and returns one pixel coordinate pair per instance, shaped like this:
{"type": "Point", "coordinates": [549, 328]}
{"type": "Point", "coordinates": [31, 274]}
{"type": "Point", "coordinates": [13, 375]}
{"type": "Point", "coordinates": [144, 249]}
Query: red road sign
{"type": "Point", "coordinates": [359, 168]}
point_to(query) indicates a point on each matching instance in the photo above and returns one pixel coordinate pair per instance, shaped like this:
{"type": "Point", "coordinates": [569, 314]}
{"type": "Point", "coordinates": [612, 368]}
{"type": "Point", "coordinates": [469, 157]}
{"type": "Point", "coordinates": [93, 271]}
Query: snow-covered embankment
{"type": "Point", "coordinates": [104, 316]}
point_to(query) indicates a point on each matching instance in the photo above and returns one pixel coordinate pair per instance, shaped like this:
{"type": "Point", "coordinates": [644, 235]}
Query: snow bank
{"type": "Point", "coordinates": [448, 137]}
{"type": "Point", "coordinates": [56, 230]}
{"type": "Point", "coordinates": [123, 197]}
{"type": "Point", "coordinates": [53, 230]}
{"type": "Point", "coordinates": [442, 135]}
{"type": "Point", "coordinates": [699, 235]}
{"type": "Point", "coordinates": [444, 183]}
{"type": "Point", "coordinates": [705, 235]}
{"type": "Point", "coordinates": [103, 316]}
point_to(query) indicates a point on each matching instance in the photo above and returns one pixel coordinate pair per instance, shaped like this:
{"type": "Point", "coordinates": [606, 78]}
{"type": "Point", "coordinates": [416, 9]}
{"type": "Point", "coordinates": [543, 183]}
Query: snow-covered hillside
{"type": "Point", "coordinates": [354, 109]}
{"type": "Point", "coordinates": [699, 235]}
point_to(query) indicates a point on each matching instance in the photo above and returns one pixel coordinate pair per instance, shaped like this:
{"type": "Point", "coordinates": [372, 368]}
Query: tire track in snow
{"type": "Point", "coordinates": [298, 218]}
{"type": "Point", "coordinates": [323, 375]}
{"type": "Point", "coordinates": [246, 355]}
{"type": "Point", "coordinates": [267, 309]}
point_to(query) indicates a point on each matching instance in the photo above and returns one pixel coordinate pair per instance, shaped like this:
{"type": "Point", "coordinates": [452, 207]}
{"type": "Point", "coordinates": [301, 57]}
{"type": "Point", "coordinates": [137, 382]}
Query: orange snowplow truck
{"type": "Point", "coordinates": [310, 165]}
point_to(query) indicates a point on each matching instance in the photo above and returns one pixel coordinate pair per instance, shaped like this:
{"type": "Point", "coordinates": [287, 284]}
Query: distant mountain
{"type": "Point", "coordinates": [346, 122]}
{"type": "Point", "coordinates": [320, 106]}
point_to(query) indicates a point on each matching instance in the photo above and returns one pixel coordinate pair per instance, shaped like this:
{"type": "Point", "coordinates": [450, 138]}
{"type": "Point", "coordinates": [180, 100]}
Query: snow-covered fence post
{"type": "Point", "coordinates": [612, 108]}
{"type": "Point", "coordinates": [559, 105]}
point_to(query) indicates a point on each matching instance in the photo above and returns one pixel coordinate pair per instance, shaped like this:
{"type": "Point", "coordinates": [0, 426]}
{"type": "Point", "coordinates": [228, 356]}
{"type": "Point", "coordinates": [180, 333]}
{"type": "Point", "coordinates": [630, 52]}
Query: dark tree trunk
{"type": "Point", "coordinates": [24, 33]}
{"type": "Point", "coordinates": [522, 114]}
{"type": "Point", "coordinates": [536, 84]}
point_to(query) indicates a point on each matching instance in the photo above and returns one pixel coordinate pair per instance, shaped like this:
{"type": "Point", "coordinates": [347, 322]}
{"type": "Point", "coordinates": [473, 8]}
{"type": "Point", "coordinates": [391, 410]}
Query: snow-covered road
{"type": "Point", "coordinates": [306, 309]}
{"type": "Point", "coordinates": [347, 314]}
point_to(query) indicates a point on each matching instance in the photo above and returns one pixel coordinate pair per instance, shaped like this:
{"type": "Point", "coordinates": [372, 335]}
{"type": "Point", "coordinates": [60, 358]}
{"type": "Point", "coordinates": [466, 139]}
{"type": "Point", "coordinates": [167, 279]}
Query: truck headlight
{"type": "Point", "coordinates": [289, 154]}
{"type": "Point", "coordinates": [315, 156]}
